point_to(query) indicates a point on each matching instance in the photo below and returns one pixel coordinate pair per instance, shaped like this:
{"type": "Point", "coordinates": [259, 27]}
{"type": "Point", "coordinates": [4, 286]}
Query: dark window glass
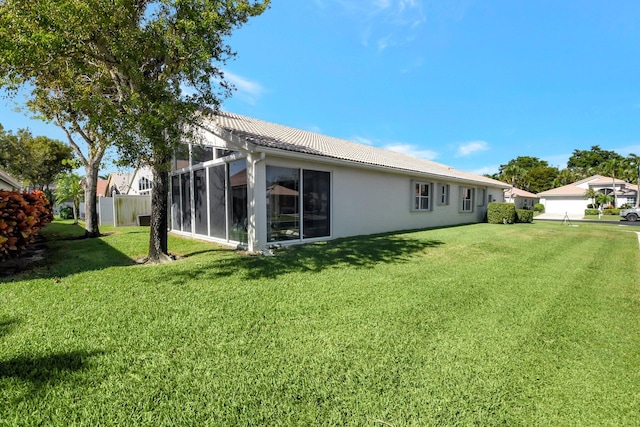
{"type": "Point", "coordinates": [185, 185]}
{"type": "Point", "coordinates": [181, 157]}
{"type": "Point", "coordinates": [217, 202]}
{"type": "Point", "coordinates": [283, 199]}
{"type": "Point", "coordinates": [200, 201]}
{"type": "Point", "coordinates": [201, 154]}
{"type": "Point", "coordinates": [316, 204]}
{"type": "Point", "coordinates": [238, 187]}
{"type": "Point", "coordinates": [176, 209]}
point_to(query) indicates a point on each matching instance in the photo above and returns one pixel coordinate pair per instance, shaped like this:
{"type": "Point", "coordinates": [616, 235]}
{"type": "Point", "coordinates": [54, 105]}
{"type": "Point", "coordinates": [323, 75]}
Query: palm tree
{"type": "Point", "coordinates": [69, 187]}
{"type": "Point", "coordinates": [633, 170]}
{"type": "Point", "coordinates": [515, 175]}
{"type": "Point", "coordinates": [591, 194]}
{"type": "Point", "coordinates": [602, 199]}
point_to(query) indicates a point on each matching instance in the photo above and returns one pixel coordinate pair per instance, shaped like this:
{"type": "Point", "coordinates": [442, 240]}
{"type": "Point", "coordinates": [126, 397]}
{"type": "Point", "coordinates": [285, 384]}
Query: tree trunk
{"type": "Point", "coordinates": [158, 247]}
{"type": "Point", "coordinates": [76, 208]}
{"type": "Point", "coordinates": [90, 200]}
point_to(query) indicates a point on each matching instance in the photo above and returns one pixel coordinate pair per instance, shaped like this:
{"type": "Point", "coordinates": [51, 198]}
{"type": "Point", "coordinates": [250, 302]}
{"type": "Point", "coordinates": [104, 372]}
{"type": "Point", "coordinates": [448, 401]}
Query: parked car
{"type": "Point", "coordinates": [630, 214]}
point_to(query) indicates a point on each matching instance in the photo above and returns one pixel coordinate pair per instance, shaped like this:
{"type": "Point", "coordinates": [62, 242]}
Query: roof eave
{"type": "Point", "coordinates": [374, 167]}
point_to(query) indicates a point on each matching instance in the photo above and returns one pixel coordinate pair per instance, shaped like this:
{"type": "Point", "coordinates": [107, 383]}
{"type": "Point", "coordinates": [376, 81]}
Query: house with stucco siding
{"type": "Point", "coordinates": [258, 184]}
{"type": "Point", "coordinates": [571, 199]}
{"type": "Point", "coordinates": [521, 198]}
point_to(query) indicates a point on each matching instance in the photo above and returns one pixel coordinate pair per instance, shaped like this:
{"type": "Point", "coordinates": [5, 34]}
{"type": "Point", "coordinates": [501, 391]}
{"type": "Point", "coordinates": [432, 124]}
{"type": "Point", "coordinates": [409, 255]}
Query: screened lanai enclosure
{"type": "Point", "coordinates": [210, 198]}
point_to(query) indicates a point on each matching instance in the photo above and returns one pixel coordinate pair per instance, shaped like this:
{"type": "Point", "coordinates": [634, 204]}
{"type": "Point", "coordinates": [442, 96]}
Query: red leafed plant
{"type": "Point", "coordinates": [22, 215]}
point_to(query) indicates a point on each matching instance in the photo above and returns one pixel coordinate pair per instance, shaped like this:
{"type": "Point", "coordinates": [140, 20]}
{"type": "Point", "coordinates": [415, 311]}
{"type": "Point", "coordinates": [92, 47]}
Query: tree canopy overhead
{"type": "Point", "coordinates": [145, 69]}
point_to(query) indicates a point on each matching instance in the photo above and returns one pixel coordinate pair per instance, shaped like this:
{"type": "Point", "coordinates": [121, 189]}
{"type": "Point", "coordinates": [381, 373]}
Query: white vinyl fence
{"type": "Point", "coordinates": [123, 210]}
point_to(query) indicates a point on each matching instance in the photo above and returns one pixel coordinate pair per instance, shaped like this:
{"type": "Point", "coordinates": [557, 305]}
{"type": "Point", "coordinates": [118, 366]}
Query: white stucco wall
{"type": "Point", "coordinates": [368, 202]}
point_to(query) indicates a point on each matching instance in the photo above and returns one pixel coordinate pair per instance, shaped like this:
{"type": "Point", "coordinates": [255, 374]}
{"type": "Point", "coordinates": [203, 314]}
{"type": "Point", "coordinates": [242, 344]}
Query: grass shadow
{"type": "Point", "coordinates": [64, 251]}
{"type": "Point", "coordinates": [354, 252]}
{"type": "Point", "coordinates": [42, 370]}
{"type": "Point", "coordinates": [6, 326]}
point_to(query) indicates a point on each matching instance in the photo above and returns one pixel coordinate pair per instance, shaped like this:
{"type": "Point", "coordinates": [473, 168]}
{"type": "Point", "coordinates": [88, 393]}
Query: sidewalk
{"type": "Point", "coordinates": [555, 216]}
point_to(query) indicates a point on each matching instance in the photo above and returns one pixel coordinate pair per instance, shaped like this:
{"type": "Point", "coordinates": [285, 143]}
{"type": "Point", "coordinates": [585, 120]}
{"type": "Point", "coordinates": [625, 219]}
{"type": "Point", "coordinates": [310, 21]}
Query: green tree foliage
{"type": "Point", "coordinates": [592, 195]}
{"type": "Point", "coordinates": [34, 160]}
{"type": "Point", "coordinates": [591, 161]}
{"type": "Point", "coordinates": [135, 59]}
{"type": "Point", "coordinates": [528, 173]}
{"type": "Point", "coordinates": [69, 188]}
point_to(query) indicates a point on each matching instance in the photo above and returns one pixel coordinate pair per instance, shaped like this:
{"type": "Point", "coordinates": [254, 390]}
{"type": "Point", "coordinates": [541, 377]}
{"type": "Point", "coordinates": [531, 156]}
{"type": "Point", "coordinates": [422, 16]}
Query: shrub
{"type": "Point", "coordinates": [591, 212]}
{"type": "Point", "coordinates": [21, 217]}
{"type": "Point", "coordinates": [501, 213]}
{"type": "Point", "coordinates": [611, 211]}
{"type": "Point", "coordinates": [539, 207]}
{"type": "Point", "coordinates": [66, 212]}
{"type": "Point", "coordinates": [524, 215]}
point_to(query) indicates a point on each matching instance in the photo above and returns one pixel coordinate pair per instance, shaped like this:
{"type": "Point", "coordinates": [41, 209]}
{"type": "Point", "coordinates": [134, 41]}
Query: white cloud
{"type": "Point", "coordinates": [361, 140]}
{"type": "Point", "coordinates": [381, 23]}
{"type": "Point", "coordinates": [247, 90]}
{"type": "Point", "coordinates": [412, 150]}
{"type": "Point", "coordinates": [489, 170]}
{"type": "Point", "coordinates": [314, 129]}
{"type": "Point", "coordinates": [468, 148]}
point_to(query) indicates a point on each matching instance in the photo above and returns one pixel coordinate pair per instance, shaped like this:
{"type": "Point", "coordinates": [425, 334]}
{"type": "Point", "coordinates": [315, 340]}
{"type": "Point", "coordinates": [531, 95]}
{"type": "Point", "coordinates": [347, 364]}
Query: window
{"type": "Point", "coordinates": [466, 199]}
{"type": "Point", "coordinates": [201, 154]}
{"type": "Point", "coordinates": [422, 196]}
{"type": "Point", "coordinates": [181, 157]}
{"type": "Point", "coordinates": [443, 194]}
{"type": "Point", "coordinates": [316, 204]}
{"type": "Point", "coordinates": [292, 191]}
{"type": "Point", "coordinates": [222, 152]}
{"type": "Point", "coordinates": [144, 184]}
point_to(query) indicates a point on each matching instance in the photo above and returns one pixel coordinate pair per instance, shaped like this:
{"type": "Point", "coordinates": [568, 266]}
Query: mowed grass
{"type": "Point", "coordinates": [530, 324]}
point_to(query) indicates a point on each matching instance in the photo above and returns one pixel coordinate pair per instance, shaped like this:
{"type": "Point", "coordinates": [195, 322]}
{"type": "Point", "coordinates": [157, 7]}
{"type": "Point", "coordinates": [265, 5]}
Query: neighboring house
{"type": "Point", "coordinates": [571, 198]}
{"type": "Point", "coordinates": [259, 184]}
{"type": "Point", "coordinates": [7, 182]}
{"type": "Point", "coordinates": [522, 199]}
{"type": "Point", "coordinates": [101, 187]}
{"type": "Point", "coordinates": [136, 183]}
{"type": "Point", "coordinates": [118, 183]}
{"type": "Point", "coordinates": [141, 182]}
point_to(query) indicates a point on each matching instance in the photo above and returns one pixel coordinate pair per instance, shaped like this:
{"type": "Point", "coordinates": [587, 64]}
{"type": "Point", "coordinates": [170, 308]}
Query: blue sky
{"type": "Point", "coordinates": [471, 84]}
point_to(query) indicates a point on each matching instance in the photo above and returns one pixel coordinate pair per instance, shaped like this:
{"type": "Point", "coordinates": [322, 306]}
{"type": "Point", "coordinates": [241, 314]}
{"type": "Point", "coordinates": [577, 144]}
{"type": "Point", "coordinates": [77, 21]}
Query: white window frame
{"type": "Point", "coordinates": [417, 197]}
{"type": "Point", "coordinates": [466, 204]}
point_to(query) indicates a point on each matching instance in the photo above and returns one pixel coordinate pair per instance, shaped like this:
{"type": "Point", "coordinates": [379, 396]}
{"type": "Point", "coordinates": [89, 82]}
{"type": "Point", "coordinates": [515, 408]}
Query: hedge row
{"type": "Point", "coordinates": [611, 211]}
{"type": "Point", "coordinates": [506, 213]}
{"type": "Point", "coordinates": [22, 215]}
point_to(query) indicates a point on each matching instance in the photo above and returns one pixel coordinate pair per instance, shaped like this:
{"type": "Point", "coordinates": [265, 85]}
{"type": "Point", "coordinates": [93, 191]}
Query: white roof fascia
{"type": "Point", "coordinates": [230, 138]}
{"type": "Point", "coordinates": [350, 163]}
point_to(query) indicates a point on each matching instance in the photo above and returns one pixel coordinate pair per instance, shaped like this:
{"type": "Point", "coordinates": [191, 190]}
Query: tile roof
{"type": "Point", "coordinates": [574, 190]}
{"type": "Point", "coordinates": [517, 192]}
{"type": "Point", "coordinates": [101, 187]}
{"type": "Point", "coordinates": [271, 135]}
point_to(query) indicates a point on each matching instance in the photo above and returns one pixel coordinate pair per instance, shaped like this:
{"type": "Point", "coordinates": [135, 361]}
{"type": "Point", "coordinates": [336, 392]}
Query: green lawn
{"type": "Point", "coordinates": [527, 324]}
